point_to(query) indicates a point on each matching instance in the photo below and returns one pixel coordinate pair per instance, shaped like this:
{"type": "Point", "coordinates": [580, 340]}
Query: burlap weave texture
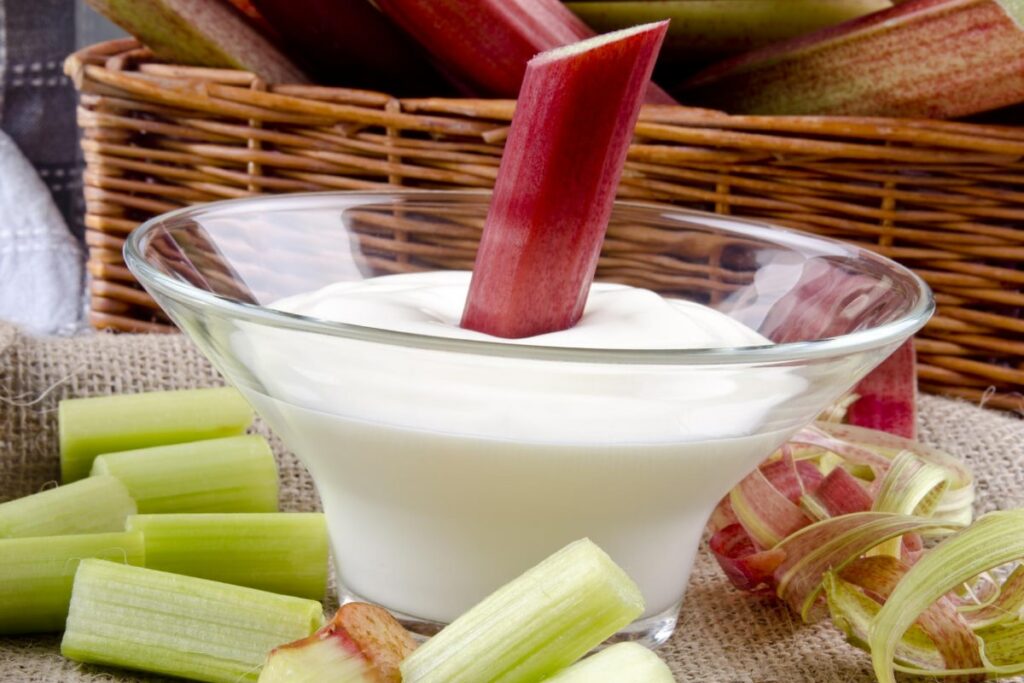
{"type": "Point", "coordinates": [723, 637]}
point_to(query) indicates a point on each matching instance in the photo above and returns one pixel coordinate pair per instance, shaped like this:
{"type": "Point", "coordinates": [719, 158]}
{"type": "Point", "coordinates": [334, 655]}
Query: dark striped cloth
{"type": "Point", "coordinates": [37, 102]}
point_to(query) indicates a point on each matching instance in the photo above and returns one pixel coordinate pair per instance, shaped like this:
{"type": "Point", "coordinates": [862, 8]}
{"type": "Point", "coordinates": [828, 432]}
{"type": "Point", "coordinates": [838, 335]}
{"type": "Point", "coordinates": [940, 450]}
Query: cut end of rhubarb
{"type": "Point", "coordinates": [534, 626]}
{"type": "Point", "coordinates": [619, 663]}
{"type": "Point", "coordinates": [362, 643]}
{"type": "Point", "coordinates": [578, 48]}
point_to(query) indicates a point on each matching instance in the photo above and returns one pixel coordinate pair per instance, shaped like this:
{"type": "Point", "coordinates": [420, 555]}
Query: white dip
{"type": "Point", "coordinates": [446, 474]}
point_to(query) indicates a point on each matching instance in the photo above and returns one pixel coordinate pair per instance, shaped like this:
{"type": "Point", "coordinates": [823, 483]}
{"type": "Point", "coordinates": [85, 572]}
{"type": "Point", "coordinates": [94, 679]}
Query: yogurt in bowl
{"type": "Point", "coordinates": [448, 461]}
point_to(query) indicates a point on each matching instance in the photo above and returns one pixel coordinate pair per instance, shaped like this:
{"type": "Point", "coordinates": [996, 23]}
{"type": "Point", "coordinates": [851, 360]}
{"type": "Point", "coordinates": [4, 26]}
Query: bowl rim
{"type": "Point", "coordinates": [892, 332]}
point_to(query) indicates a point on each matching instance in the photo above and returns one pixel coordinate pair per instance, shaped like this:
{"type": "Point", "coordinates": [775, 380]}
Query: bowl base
{"type": "Point", "coordinates": [650, 632]}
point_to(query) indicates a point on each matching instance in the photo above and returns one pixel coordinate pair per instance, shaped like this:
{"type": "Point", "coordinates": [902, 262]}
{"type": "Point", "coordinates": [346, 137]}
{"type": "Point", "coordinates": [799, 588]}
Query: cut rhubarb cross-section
{"type": "Point", "coordinates": [362, 644]}
{"type": "Point", "coordinates": [555, 188]}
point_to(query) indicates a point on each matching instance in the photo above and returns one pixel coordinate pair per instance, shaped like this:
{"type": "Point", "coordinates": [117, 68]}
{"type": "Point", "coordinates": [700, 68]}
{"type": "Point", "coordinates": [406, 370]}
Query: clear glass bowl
{"type": "Point", "coordinates": [446, 467]}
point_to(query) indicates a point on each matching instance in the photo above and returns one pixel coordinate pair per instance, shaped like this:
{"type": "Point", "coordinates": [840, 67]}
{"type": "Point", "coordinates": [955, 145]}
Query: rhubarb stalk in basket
{"type": "Point", "coordinates": [555, 188]}
{"type": "Point", "coordinates": [924, 58]}
{"type": "Point", "coordinates": [484, 45]}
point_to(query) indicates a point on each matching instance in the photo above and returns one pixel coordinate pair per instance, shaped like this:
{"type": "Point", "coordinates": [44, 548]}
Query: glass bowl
{"type": "Point", "coordinates": [447, 467]}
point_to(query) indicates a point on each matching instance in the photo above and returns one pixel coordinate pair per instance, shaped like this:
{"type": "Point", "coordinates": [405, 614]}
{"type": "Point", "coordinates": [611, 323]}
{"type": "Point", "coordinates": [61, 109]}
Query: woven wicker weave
{"type": "Point", "coordinates": [947, 199]}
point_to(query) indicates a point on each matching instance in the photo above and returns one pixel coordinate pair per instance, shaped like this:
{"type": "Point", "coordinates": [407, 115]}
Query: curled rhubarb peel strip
{"type": "Point", "coordinates": [852, 612]}
{"type": "Point", "coordinates": [911, 486]}
{"type": "Point", "coordinates": [1005, 604]}
{"type": "Point", "coordinates": [994, 540]}
{"type": "Point", "coordinates": [764, 511]}
{"type": "Point", "coordinates": [858, 443]}
{"type": "Point", "coordinates": [819, 435]}
{"type": "Point", "coordinates": [951, 636]}
{"type": "Point", "coordinates": [832, 544]}
{"type": "Point", "coordinates": [840, 493]}
{"type": "Point", "coordinates": [746, 567]}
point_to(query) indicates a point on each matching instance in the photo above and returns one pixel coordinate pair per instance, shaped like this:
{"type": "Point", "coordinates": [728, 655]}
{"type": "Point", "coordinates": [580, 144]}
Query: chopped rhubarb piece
{"type": "Point", "coordinates": [535, 625]}
{"type": "Point", "coordinates": [177, 625]}
{"type": "Point", "coordinates": [36, 575]}
{"type": "Point", "coordinates": [484, 45]}
{"type": "Point", "coordinates": [923, 58]}
{"type": "Point", "coordinates": [887, 397]}
{"type": "Point", "coordinates": [236, 474]}
{"type": "Point", "coordinates": [106, 424]}
{"type": "Point", "coordinates": [91, 505]}
{"type": "Point", "coordinates": [620, 663]}
{"type": "Point", "coordinates": [276, 551]}
{"type": "Point", "coordinates": [362, 644]}
{"type": "Point", "coordinates": [556, 184]}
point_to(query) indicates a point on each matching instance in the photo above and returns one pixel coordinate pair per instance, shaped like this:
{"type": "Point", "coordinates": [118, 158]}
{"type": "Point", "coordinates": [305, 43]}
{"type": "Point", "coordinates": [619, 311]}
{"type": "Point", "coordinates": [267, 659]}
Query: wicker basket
{"type": "Point", "coordinates": [945, 198]}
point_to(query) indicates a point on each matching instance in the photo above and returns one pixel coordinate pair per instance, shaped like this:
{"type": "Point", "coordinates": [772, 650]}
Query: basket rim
{"type": "Point", "coordinates": [890, 333]}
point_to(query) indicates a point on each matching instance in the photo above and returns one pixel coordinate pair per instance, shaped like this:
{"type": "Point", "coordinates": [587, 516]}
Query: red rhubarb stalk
{"type": "Point", "coordinates": [350, 43]}
{"type": "Point", "coordinates": [555, 188]}
{"type": "Point", "coordinates": [888, 395]}
{"type": "Point", "coordinates": [256, 19]}
{"type": "Point", "coordinates": [484, 45]}
{"type": "Point", "coordinates": [922, 58]}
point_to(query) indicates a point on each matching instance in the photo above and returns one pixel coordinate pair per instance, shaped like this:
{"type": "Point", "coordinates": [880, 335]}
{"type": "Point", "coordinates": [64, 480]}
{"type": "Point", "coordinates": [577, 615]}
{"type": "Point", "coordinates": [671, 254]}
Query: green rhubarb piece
{"type": "Point", "coordinates": [620, 663]}
{"type": "Point", "coordinates": [236, 474]}
{"type": "Point", "coordinates": [36, 575]}
{"type": "Point", "coordinates": [534, 626]}
{"type": "Point", "coordinates": [276, 552]}
{"type": "Point", "coordinates": [179, 625]}
{"type": "Point", "coordinates": [200, 33]}
{"type": "Point", "coordinates": [107, 424]}
{"type": "Point", "coordinates": [91, 505]}
{"type": "Point", "coordinates": [703, 29]}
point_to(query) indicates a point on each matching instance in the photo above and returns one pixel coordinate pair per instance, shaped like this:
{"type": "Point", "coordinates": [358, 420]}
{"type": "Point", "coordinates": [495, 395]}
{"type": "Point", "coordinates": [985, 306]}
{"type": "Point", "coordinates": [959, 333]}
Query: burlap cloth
{"type": "Point", "coordinates": [723, 636]}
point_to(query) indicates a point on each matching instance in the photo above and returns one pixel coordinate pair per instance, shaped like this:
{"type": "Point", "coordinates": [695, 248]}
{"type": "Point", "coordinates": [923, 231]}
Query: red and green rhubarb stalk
{"type": "Point", "coordinates": [200, 33]}
{"type": "Point", "coordinates": [922, 58]}
{"type": "Point", "coordinates": [484, 45]}
{"type": "Point", "coordinates": [556, 185]}
{"type": "Point", "coordinates": [887, 397]}
{"type": "Point", "coordinates": [362, 644]}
